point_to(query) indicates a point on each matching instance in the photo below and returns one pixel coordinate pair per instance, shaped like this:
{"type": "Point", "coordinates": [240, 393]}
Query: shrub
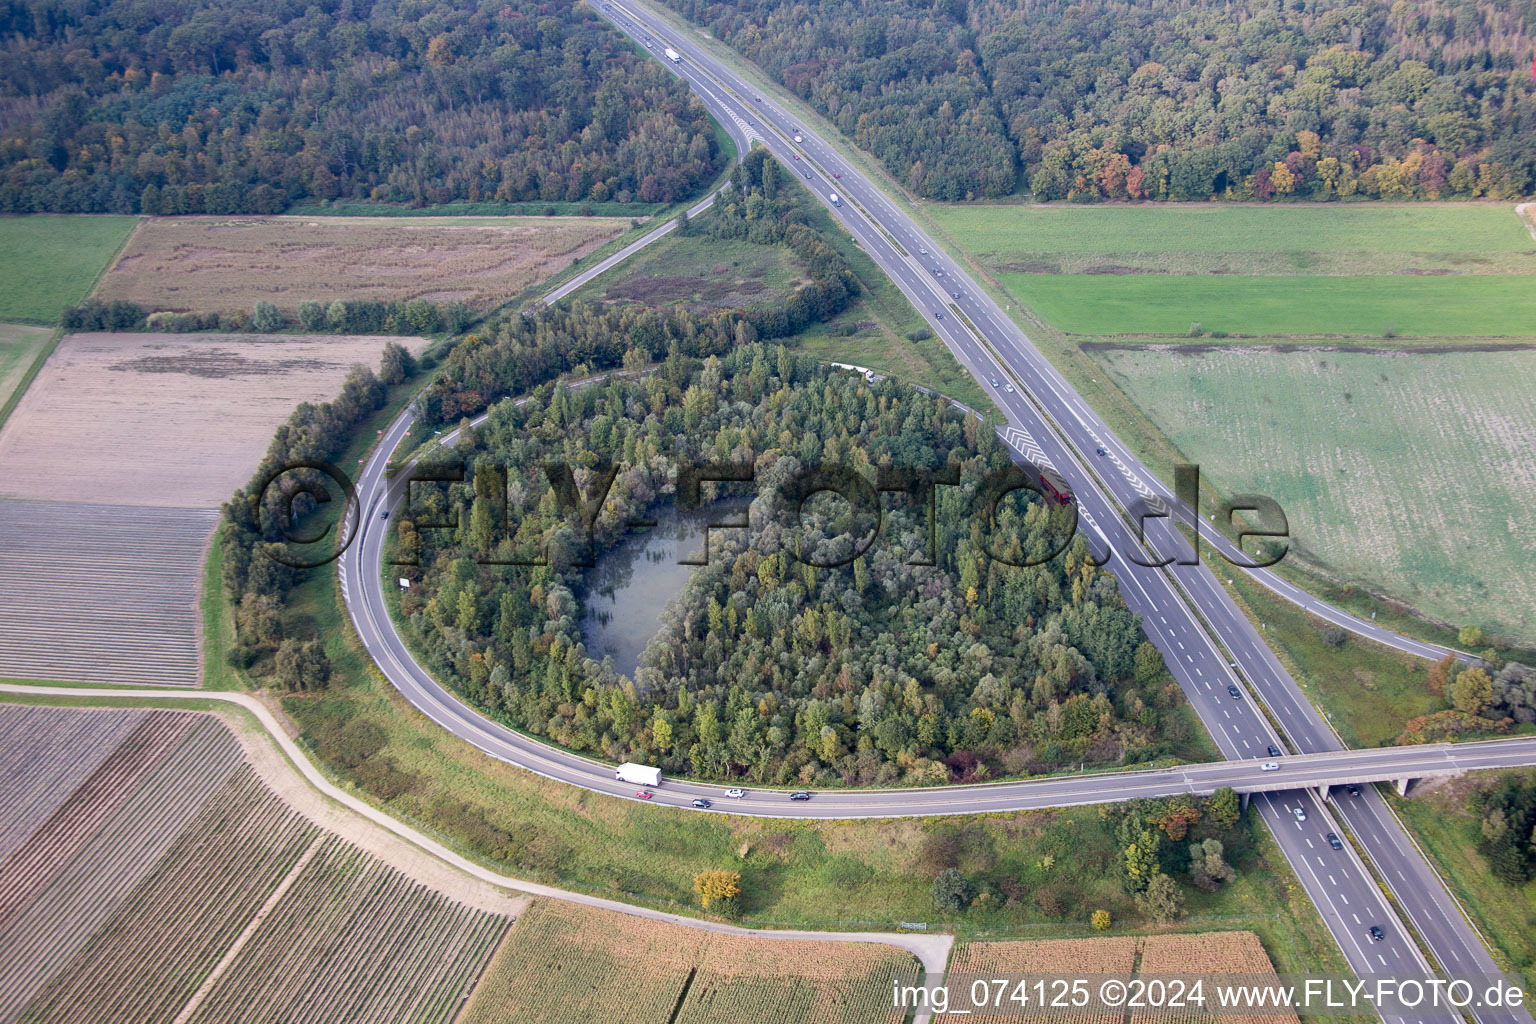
{"type": "Point", "coordinates": [1101, 920]}
{"type": "Point", "coordinates": [951, 891]}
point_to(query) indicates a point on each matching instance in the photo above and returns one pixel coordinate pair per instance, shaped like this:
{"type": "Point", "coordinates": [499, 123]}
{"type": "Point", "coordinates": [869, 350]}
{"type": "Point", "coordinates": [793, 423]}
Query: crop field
{"type": "Point", "coordinates": [567, 963]}
{"type": "Point", "coordinates": [224, 263]}
{"type": "Point", "coordinates": [1407, 472]}
{"type": "Point", "coordinates": [354, 940]}
{"type": "Point", "coordinates": [701, 273]}
{"type": "Point", "coordinates": [1111, 955]}
{"type": "Point", "coordinates": [1232, 953]}
{"type": "Point", "coordinates": [159, 878]}
{"type": "Point", "coordinates": [1455, 270]}
{"type": "Point", "coordinates": [51, 261]}
{"type": "Point", "coordinates": [101, 593]}
{"type": "Point", "coordinates": [170, 420]}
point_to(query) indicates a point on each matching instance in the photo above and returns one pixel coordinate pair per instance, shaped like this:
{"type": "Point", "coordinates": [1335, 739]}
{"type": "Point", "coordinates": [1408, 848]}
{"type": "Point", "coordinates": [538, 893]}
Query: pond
{"type": "Point", "coordinates": [632, 583]}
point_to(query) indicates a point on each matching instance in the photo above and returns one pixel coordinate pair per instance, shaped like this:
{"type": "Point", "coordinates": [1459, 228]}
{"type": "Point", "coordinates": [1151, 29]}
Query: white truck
{"type": "Point", "coordinates": [638, 774]}
{"type": "Point", "coordinates": [673, 55]}
{"type": "Point", "coordinates": [835, 200]}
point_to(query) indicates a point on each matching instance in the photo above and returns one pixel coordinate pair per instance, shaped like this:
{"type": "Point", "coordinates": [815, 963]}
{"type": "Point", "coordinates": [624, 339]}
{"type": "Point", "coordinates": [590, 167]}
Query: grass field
{"type": "Point", "coordinates": [1406, 472]}
{"type": "Point", "coordinates": [51, 261]}
{"type": "Point", "coordinates": [225, 263]}
{"type": "Point", "coordinates": [19, 349]}
{"type": "Point", "coordinates": [1470, 306]}
{"type": "Point", "coordinates": [1199, 228]}
{"type": "Point", "coordinates": [569, 964]}
{"type": "Point", "coordinates": [1438, 818]}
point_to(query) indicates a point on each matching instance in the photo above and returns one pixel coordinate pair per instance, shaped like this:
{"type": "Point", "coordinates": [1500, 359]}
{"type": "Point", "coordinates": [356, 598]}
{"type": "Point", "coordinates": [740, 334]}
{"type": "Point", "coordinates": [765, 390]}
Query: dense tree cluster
{"type": "Point", "coordinates": [525, 349]}
{"type": "Point", "coordinates": [1488, 697]}
{"type": "Point", "coordinates": [216, 106]}
{"type": "Point", "coordinates": [1316, 99]}
{"type": "Point", "coordinates": [876, 671]}
{"type": "Point", "coordinates": [1508, 824]}
{"type": "Point", "coordinates": [257, 567]}
{"type": "Point", "coordinates": [343, 316]}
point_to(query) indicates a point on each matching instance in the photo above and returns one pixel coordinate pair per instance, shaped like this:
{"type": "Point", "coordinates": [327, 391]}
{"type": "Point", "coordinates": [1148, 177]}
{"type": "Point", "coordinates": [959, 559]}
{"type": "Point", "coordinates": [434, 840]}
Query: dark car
{"type": "Point", "coordinates": [1235, 692]}
{"type": "Point", "coordinates": [384, 514]}
{"type": "Point", "coordinates": [702, 804]}
{"type": "Point", "coordinates": [1100, 450]}
{"type": "Point", "coordinates": [802, 795]}
{"type": "Point", "coordinates": [938, 315]}
{"type": "Point", "coordinates": [1352, 789]}
{"type": "Point", "coordinates": [1274, 751]}
{"type": "Point", "coordinates": [1376, 933]}
{"type": "Point", "coordinates": [1334, 841]}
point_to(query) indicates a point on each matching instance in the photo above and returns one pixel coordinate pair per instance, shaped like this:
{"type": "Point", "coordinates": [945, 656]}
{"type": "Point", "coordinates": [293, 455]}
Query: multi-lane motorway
{"type": "Point", "coordinates": [1208, 643]}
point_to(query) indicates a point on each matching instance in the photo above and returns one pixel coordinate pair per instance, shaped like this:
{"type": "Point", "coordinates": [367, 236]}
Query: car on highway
{"type": "Point", "coordinates": [938, 315]}
{"type": "Point", "coordinates": [1300, 812]}
{"type": "Point", "coordinates": [1376, 933]}
{"type": "Point", "coordinates": [1235, 692]}
{"type": "Point", "coordinates": [1008, 388]}
{"type": "Point", "coordinates": [1274, 751]}
{"type": "Point", "coordinates": [799, 139]}
{"type": "Point", "coordinates": [937, 272]}
{"type": "Point", "coordinates": [1334, 841]}
{"type": "Point", "coordinates": [643, 794]}
{"type": "Point", "coordinates": [1352, 789]}
{"type": "Point", "coordinates": [955, 294]}
{"type": "Point", "coordinates": [702, 804]}
{"type": "Point", "coordinates": [384, 514]}
{"type": "Point", "coordinates": [796, 155]}
{"type": "Point", "coordinates": [1271, 766]}
{"type": "Point", "coordinates": [807, 174]}
{"type": "Point", "coordinates": [836, 174]}
{"type": "Point", "coordinates": [993, 382]}
{"type": "Point", "coordinates": [735, 794]}
{"type": "Point", "coordinates": [801, 795]}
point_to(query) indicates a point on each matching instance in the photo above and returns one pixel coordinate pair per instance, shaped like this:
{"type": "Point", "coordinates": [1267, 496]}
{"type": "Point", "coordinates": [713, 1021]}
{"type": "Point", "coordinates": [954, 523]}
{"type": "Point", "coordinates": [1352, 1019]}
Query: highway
{"type": "Point", "coordinates": [1183, 607]}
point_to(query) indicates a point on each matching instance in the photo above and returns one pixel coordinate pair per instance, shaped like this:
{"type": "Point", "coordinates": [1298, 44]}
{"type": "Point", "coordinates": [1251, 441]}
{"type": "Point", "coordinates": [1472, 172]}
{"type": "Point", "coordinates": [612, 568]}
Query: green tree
{"type": "Point", "coordinates": [1101, 920]}
{"type": "Point", "coordinates": [1223, 808]}
{"type": "Point", "coordinates": [1472, 691]}
{"type": "Point", "coordinates": [1162, 900]}
{"type": "Point", "coordinates": [312, 315]}
{"type": "Point", "coordinates": [265, 318]}
{"type": "Point", "coordinates": [1149, 664]}
{"type": "Point", "coordinates": [395, 363]}
{"type": "Point", "coordinates": [951, 891]}
{"type": "Point", "coordinates": [1470, 636]}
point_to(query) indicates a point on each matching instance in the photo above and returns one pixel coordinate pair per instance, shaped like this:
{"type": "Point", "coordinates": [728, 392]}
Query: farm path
{"type": "Point", "coordinates": [284, 767]}
{"type": "Point", "coordinates": [1524, 210]}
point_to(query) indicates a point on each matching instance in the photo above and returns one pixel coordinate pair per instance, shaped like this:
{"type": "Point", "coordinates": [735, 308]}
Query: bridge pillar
{"type": "Point", "coordinates": [1403, 785]}
{"type": "Point", "coordinates": [1323, 792]}
{"type": "Point", "coordinates": [1242, 802]}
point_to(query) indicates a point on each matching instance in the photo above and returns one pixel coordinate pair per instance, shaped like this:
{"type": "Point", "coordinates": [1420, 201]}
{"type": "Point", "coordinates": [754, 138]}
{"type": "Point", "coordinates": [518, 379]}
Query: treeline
{"type": "Point", "coordinates": [215, 106]}
{"type": "Point", "coordinates": [1163, 100]}
{"type": "Point", "coordinates": [1491, 696]}
{"type": "Point", "coordinates": [1507, 822]}
{"type": "Point", "coordinates": [258, 569]}
{"type": "Point", "coordinates": [343, 316]}
{"type": "Point", "coordinates": [878, 671]}
{"type": "Point", "coordinates": [522, 350]}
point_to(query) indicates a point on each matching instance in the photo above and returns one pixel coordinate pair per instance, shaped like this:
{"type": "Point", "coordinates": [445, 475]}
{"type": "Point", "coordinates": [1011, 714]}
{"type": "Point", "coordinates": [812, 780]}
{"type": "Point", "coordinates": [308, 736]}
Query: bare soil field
{"type": "Point", "coordinates": [168, 420]}
{"type": "Point", "coordinates": [166, 881]}
{"type": "Point", "coordinates": [207, 264]}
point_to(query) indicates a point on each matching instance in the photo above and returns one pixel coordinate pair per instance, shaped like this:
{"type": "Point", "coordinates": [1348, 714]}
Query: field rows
{"type": "Point", "coordinates": [185, 912]}
{"type": "Point", "coordinates": [165, 881]}
{"type": "Point", "coordinates": [100, 593]}
{"type": "Point", "coordinates": [44, 754]}
{"type": "Point", "coordinates": [355, 940]}
{"type": "Point", "coordinates": [63, 835]}
{"type": "Point", "coordinates": [43, 937]}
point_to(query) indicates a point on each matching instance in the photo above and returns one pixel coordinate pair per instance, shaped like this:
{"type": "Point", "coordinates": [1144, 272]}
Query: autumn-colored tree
{"type": "Point", "coordinates": [719, 890]}
{"type": "Point", "coordinates": [1100, 920]}
{"type": "Point", "coordinates": [1472, 691]}
{"type": "Point", "coordinates": [1441, 673]}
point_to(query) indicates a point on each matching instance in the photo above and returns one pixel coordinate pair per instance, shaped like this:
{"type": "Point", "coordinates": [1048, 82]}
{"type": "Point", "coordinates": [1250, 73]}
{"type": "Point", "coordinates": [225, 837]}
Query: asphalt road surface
{"type": "Point", "coordinates": [1183, 606]}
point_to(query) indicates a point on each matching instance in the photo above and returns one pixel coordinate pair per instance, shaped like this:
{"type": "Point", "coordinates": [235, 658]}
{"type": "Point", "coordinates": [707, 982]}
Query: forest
{"type": "Point", "coordinates": [804, 654]}
{"type": "Point", "coordinates": [216, 106]}
{"type": "Point", "coordinates": [1163, 99]}
{"type": "Point", "coordinates": [1507, 816]}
